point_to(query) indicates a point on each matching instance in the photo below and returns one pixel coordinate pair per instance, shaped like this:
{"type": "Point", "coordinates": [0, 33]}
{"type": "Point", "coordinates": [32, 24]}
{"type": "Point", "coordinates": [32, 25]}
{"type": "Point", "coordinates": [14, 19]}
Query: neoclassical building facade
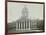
{"type": "Point", "coordinates": [24, 23]}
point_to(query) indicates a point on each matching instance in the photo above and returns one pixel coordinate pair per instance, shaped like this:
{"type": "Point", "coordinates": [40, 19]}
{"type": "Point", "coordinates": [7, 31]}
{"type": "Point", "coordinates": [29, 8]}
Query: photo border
{"type": "Point", "coordinates": [6, 27]}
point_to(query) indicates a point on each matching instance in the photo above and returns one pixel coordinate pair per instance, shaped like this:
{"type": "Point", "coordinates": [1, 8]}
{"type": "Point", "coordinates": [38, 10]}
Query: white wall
{"type": "Point", "coordinates": [2, 18]}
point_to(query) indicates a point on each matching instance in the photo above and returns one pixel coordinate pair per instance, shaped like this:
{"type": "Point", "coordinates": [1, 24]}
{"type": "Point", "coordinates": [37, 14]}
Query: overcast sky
{"type": "Point", "coordinates": [15, 11]}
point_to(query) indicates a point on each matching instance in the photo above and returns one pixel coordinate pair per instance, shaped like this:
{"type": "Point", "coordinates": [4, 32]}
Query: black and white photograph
{"type": "Point", "coordinates": [25, 17]}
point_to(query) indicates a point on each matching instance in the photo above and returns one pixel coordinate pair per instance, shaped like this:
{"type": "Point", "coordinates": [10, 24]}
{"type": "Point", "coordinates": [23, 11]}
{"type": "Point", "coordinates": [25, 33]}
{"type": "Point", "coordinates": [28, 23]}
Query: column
{"type": "Point", "coordinates": [16, 26]}
{"type": "Point", "coordinates": [29, 24]}
{"type": "Point", "coordinates": [21, 25]}
{"type": "Point", "coordinates": [24, 25]}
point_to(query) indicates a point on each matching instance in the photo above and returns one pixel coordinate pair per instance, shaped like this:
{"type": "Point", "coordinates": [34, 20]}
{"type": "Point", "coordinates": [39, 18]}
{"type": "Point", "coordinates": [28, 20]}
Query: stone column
{"type": "Point", "coordinates": [29, 24]}
{"type": "Point", "coordinates": [16, 26]}
{"type": "Point", "coordinates": [24, 25]}
{"type": "Point", "coordinates": [21, 25]}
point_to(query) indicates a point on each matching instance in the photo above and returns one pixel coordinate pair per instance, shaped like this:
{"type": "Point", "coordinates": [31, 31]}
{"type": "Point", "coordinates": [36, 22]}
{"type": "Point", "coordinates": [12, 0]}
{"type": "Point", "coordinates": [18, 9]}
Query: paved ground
{"type": "Point", "coordinates": [27, 31]}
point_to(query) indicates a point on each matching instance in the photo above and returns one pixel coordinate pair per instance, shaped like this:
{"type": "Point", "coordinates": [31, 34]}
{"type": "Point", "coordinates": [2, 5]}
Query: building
{"type": "Point", "coordinates": [24, 24]}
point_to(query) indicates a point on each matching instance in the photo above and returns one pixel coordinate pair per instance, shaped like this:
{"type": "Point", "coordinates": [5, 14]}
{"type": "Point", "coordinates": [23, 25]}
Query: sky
{"type": "Point", "coordinates": [14, 10]}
